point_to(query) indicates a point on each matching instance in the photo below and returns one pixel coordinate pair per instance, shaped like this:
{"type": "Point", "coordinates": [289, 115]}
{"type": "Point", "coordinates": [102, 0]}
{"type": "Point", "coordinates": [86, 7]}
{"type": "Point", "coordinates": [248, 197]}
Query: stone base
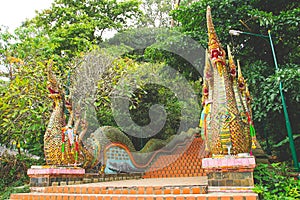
{"type": "Point", "coordinates": [42, 176]}
{"type": "Point", "coordinates": [231, 171]}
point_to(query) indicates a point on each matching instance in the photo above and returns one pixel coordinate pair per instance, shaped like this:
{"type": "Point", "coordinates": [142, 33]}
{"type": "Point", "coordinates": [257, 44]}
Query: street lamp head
{"type": "Point", "coordinates": [235, 32]}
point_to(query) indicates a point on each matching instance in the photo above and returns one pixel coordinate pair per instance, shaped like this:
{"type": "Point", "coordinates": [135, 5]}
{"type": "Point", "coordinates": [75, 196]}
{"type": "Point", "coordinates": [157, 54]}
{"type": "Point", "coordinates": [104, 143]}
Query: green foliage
{"type": "Point", "coordinates": [22, 108]}
{"type": "Point", "coordinates": [155, 13]}
{"type": "Point", "coordinates": [75, 26]}
{"type": "Point", "coordinates": [6, 194]}
{"type": "Point", "coordinates": [266, 104]}
{"type": "Point", "coordinates": [15, 168]}
{"type": "Point", "coordinates": [144, 85]}
{"type": "Point", "coordinates": [226, 14]}
{"type": "Point", "coordinates": [275, 182]}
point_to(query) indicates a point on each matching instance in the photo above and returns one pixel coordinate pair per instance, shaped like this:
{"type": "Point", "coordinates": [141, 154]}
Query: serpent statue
{"type": "Point", "coordinates": [62, 144]}
{"type": "Point", "coordinates": [225, 121]}
{"type": "Point", "coordinates": [67, 143]}
{"type": "Point", "coordinates": [226, 116]}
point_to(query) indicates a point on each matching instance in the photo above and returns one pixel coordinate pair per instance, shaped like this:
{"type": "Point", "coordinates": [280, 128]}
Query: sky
{"type": "Point", "coordinates": [14, 12]}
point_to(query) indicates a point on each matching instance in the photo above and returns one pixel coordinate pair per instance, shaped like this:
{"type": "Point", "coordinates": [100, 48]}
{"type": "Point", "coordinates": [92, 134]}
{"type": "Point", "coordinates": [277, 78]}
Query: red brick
{"type": "Point", "coordinates": [141, 190]}
{"type": "Point", "coordinates": [48, 189]}
{"type": "Point", "coordinates": [60, 189]}
{"type": "Point", "coordinates": [78, 197]}
{"type": "Point", "coordinates": [252, 198]}
{"type": "Point", "coordinates": [190, 198]}
{"type": "Point", "coordinates": [71, 197]}
{"type": "Point", "coordinates": [59, 197]}
{"type": "Point", "coordinates": [85, 197]}
{"type": "Point", "coordinates": [78, 190]}
{"type": "Point", "coordinates": [125, 191]}
{"type": "Point", "coordinates": [65, 190]}
{"type": "Point", "coordinates": [132, 191]}
{"type": "Point", "coordinates": [238, 198]}
{"type": "Point", "coordinates": [103, 191]}
{"type": "Point", "coordinates": [110, 191]}
{"type": "Point", "coordinates": [158, 191]}
{"type": "Point", "coordinates": [92, 198]}
{"type": "Point", "coordinates": [212, 198]}
{"type": "Point", "coordinates": [176, 191]}
{"type": "Point", "coordinates": [225, 198]}
{"type": "Point", "coordinates": [196, 190]}
{"type": "Point", "coordinates": [201, 198]}
{"type": "Point", "coordinates": [84, 190]}
{"type": "Point", "coordinates": [169, 198]}
{"type": "Point", "coordinates": [117, 191]}
{"type": "Point", "coordinates": [167, 191]}
{"type": "Point", "coordinates": [186, 190]}
{"type": "Point", "coordinates": [97, 190]}
{"type": "Point", "coordinates": [71, 190]}
{"type": "Point", "coordinates": [149, 190]}
{"type": "Point", "coordinates": [90, 190]}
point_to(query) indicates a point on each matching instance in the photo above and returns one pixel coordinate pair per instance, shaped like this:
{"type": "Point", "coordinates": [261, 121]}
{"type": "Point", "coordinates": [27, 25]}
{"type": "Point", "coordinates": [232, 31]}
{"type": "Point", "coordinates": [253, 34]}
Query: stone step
{"type": "Point", "coordinates": [62, 196]}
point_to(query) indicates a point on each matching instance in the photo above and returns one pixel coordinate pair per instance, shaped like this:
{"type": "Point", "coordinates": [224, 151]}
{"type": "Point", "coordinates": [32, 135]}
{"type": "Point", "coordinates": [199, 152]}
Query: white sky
{"type": "Point", "coordinates": [14, 12]}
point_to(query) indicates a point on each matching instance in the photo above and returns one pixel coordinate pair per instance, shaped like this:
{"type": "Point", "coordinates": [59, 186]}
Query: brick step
{"type": "Point", "coordinates": [150, 190]}
{"type": "Point", "coordinates": [172, 175]}
{"type": "Point", "coordinates": [185, 165]}
{"type": "Point", "coordinates": [62, 196]}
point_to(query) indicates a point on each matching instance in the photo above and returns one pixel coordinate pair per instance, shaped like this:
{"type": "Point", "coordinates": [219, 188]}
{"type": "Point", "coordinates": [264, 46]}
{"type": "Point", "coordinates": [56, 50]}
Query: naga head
{"type": "Point", "coordinates": [217, 53]}
{"type": "Point", "coordinates": [52, 84]}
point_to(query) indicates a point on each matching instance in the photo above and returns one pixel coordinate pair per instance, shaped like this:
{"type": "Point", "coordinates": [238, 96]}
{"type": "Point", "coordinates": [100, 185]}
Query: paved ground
{"type": "Point", "coordinates": [182, 181]}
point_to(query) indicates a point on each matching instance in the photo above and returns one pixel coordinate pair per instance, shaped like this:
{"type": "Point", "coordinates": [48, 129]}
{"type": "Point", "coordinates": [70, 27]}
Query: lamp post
{"type": "Point", "coordinates": [286, 116]}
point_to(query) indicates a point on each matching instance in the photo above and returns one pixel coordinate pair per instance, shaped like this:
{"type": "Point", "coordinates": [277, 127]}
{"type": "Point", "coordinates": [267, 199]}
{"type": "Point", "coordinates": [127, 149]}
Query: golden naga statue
{"type": "Point", "coordinates": [226, 116]}
{"type": "Point", "coordinates": [63, 143]}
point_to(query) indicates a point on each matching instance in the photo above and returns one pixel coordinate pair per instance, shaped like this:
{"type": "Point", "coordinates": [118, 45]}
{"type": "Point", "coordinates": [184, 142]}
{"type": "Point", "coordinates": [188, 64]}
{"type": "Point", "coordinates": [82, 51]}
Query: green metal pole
{"type": "Point", "coordinates": [286, 116]}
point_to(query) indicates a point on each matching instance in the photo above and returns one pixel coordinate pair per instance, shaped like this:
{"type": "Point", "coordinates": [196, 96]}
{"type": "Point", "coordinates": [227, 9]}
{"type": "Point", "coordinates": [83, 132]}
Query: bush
{"type": "Point", "coordinates": [276, 182]}
{"type": "Point", "coordinates": [15, 168]}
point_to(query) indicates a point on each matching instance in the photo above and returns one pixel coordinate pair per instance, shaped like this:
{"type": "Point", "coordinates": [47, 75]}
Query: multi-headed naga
{"type": "Point", "coordinates": [226, 117]}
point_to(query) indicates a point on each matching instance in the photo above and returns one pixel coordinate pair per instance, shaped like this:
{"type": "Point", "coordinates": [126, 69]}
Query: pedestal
{"type": "Point", "coordinates": [229, 171]}
{"type": "Point", "coordinates": [42, 176]}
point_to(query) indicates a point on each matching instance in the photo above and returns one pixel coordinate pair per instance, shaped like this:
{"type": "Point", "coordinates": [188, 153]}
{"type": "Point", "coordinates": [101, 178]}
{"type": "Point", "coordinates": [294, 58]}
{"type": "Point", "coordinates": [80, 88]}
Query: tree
{"type": "Point", "coordinates": [62, 33]}
{"type": "Point", "coordinates": [156, 13]}
{"type": "Point", "coordinates": [75, 26]}
{"type": "Point", "coordinates": [23, 107]}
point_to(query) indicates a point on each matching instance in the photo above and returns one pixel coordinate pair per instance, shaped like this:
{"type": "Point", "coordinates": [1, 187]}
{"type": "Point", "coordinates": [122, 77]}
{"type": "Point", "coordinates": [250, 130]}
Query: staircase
{"type": "Point", "coordinates": [184, 188]}
{"type": "Point", "coordinates": [183, 162]}
{"type": "Point", "coordinates": [176, 176]}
